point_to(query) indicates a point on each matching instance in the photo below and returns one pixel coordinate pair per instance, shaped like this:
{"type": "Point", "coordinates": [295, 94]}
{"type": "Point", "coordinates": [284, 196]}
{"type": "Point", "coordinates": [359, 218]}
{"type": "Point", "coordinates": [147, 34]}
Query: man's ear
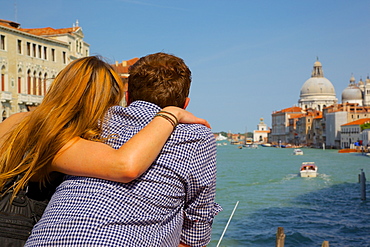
{"type": "Point", "coordinates": [126, 98]}
{"type": "Point", "coordinates": [187, 100]}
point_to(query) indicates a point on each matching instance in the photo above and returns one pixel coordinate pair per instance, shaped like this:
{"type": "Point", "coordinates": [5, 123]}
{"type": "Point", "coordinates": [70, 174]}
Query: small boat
{"type": "Point", "coordinates": [266, 145]}
{"type": "Point", "coordinates": [297, 151]}
{"type": "Point", "coordinates": [308, 169]}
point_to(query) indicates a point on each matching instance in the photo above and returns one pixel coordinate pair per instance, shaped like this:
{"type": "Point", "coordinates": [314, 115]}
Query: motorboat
{"type": "Point", "coordinates": [297, 151]}
{"type": "Point", "coordinates": [308, 169]}
{"type": "Point", "coordinates": [266, 145]}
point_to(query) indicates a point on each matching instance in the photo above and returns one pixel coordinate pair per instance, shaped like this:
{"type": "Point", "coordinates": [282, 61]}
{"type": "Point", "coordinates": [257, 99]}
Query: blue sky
{"type": "Point", "coordinates": [248, 58]}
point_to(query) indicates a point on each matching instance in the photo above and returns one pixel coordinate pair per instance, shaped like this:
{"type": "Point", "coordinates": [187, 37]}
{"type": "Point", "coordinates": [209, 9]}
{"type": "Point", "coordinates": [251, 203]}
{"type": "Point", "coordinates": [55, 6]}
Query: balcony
{"type": "Point", "coordinates": [6, 96]}
{"type": "Point", "coordinates": [29, 99]}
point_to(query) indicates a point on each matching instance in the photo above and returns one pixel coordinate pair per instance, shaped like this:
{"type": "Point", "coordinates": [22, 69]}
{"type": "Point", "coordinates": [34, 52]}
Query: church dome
{"type": "Point", "coordinates": [317, 92]}
{"type": "Point", "coordinates": [351, 94]}
{"type": "Point", "coordinates": [317, 86]}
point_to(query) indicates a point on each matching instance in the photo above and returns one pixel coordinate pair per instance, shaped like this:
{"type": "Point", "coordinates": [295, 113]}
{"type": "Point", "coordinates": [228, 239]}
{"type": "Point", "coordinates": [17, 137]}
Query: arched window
{"type": "Point", "coordinates": [2, 78]}
{"type": "Point", "coordinates": [29, 82]}
{"type": "Point", "coordinates": [34, 83]}
{"type": "Point", "coordinates": [19, 81]}
{"type": "Point", "coordinates": [4, 115]}
{"type": "Point", "coordinates": [39, 86]}
{"type": "Point", "coordinates": [44, 83]}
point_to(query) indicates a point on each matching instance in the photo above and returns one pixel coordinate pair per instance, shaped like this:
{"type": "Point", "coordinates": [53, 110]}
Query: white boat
{"type": "Point", "coordinates": [266, 145]}
{"type": "Point", "coordinates": [297, 151]}
{"type": "Point", "coordinates": [308, 169]}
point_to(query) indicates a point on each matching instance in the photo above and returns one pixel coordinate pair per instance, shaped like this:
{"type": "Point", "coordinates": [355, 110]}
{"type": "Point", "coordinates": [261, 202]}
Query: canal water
{"type": "Point", "coordinates": [271, 194]}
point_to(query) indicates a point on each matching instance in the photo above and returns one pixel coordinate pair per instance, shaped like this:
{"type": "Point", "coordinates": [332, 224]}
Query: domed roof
{"type": "Point", "coordinates": [351, 93]}
{"type": "Point", "coordinates": [317, 86]}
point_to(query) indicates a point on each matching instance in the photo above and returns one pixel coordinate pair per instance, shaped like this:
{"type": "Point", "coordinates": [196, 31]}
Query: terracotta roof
{"type": "Point", "coordinates": [290, 109]}
{"type": "Point", "coordinates": [296, 115]}
{"type": "Point", "coordinates": [49, 30]}
{"type": "Point", "coordinates": [122, 68]}
{"type": "Point", "coordinates": [358, 122]}
{"type": "Point", "coordinates": [10, 24]}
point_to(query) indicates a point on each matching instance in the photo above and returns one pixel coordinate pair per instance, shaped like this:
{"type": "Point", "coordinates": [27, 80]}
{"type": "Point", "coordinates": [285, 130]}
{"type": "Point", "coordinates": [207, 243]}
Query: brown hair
{"type": "Point", "coordinates": [74, 105]}
{"type": "Point", "coordinates": [161, 79]}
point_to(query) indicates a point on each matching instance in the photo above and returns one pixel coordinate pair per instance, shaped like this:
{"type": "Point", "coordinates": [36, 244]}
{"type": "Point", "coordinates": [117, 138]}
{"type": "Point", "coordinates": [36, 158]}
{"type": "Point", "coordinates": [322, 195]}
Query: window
{"type": "Point", "coordinates": [19, 81]}
{"type": "Point", "coordinates": [34, 83]}
{"type": "Point", "coordinates": [29, 81]}
{"type": "Point", "coordinates": [64, 57]}
{"type": "Point", "coordinates": [39, 85]}
{"type": "Point", "coordinates": [28, 49]}
{"type": "Point", "coordinates": [2, 42]}
{"type": "Point", "coordinates": [2, 81]}
{"type": "Point", "coordinates": [53, 54]}
{"type": "Point", "coordinates": [44, 83]}
{"type": "Point", "coordinates": [40, 51]}
{"type": "Point", "coordinates": [19, 46]}
{"type": "Point", "coordinates": [45, 53]}
{"type": "Point", "coordinates": [34, 50]}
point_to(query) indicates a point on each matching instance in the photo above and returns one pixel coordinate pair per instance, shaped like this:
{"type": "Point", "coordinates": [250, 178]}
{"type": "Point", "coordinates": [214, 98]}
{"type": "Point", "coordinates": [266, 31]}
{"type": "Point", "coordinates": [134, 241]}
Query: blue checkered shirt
{"type": "Point", "coordinates": [171, 202]}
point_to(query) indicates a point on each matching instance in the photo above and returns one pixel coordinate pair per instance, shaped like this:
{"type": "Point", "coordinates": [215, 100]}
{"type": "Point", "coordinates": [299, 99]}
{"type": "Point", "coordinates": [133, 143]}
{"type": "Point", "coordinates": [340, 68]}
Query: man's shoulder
{"type": "Point", "coordinates": [196, 131]}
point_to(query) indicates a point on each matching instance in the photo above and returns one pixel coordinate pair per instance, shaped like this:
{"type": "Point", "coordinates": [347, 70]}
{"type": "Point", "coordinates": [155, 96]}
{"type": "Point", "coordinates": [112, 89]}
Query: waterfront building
{"type": "Point", "coordinates": [337, 115]}
{"type": "Point", "coordinates": [320, 119]}
{"type": "Point", "coordinates": [293, 137]}
{"type": "Point", "coordinates": [307, 128]}
{"type": "Point", "coordinates": [261, 134]}
{"type": "Point", "coordinates": [280, 124]}
{"type": "Point", "coordinates": [30, 58]}
{"type": "Point", "coordinates": [317, 92]}
{"type": "Point", "coordinates": [351, 133]}
{"type": "Point", "coordinates": [365, 137]}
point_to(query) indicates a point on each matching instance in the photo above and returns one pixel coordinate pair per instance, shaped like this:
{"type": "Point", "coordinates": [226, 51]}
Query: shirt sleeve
{"type": "Point", "coordinates": [200, 208]}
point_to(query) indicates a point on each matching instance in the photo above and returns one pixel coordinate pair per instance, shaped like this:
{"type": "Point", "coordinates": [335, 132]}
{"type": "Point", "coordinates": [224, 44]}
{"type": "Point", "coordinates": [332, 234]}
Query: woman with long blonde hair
{"type": "Point", "coordinates": [62, 133]}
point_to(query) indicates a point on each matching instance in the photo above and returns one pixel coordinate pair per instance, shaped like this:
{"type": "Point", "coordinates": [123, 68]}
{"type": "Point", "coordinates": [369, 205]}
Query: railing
{"type": "Point", "coordinates": [5, 96]}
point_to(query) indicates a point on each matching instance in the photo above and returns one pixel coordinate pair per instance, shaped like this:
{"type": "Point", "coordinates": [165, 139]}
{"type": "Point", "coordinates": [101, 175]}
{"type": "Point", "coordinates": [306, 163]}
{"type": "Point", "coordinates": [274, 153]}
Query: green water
{"type": "Point", "coordinates": [271, 194]}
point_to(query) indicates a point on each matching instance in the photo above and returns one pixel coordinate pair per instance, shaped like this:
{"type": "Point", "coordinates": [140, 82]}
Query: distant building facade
{"type": "Point", "coordinates": [318, 120]}
{"type": "Point", "coordinates": [30, 59]}
{"type": "Point", "coordinates": [280, 129]}
{"type": "Point", "coordinates": [261, 134]}
{"type": "Point", "coordinates": [351, 133]}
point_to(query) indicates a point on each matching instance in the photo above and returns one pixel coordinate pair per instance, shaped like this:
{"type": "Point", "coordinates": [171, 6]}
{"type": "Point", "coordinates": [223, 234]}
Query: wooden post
{"type": "Point", "coordinates": [325, 244]}
{"type": "Point", "coordinates": [363, 185]}
{"type": "Point", "coordinates": [280, 237]}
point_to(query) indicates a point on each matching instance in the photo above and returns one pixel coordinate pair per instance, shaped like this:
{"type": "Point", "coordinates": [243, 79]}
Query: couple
{"type": "Point", "coordinates": [171, 204]}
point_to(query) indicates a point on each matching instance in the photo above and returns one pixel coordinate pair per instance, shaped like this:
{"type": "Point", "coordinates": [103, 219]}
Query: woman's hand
{"type": "Point", "coordinates": [186, 117]}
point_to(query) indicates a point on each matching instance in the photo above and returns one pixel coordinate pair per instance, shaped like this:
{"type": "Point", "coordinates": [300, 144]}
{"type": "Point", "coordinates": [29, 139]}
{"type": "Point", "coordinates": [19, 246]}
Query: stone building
{"type": "Point", "coordinates": [30, 59]}
{"type": "Point", "coordinates": [280, 130]}
{"type": "Point", "coordinates": [351, 133]}
{"type": "Point", "coordinates": [260, 135]}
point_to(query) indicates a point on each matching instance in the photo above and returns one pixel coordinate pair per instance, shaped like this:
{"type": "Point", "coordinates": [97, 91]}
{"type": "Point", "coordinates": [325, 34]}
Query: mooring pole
{"type": "Point", "coordinates": [363, 185]}
{"type": "Point", "coordinates": [325, 244]}
{"type": "Point", "coordinates": [280, 237]}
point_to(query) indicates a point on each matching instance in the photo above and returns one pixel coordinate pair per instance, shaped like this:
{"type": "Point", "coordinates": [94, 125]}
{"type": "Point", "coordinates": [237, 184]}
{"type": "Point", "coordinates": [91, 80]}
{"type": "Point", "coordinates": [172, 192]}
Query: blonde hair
{"type": "Point", "coordinates": [75, 105]}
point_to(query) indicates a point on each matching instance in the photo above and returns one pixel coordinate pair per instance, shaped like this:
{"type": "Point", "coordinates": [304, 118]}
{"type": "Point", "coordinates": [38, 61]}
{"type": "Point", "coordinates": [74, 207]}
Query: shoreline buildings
{"type": "Point", "coordinates": [30, 58]}
{"type": "Point", "coordinates": [319, 120]}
